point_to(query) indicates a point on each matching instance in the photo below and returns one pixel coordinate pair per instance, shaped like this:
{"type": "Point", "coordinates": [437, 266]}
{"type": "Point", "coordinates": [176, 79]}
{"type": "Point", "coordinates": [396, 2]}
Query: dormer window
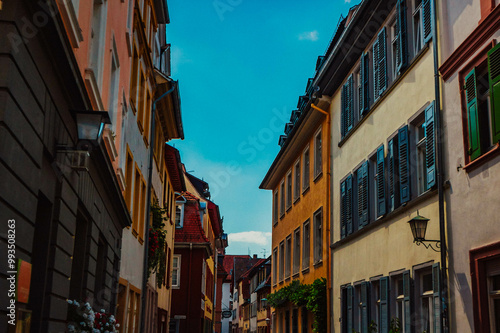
{"type": "Point", "coordinates": [179, 210]}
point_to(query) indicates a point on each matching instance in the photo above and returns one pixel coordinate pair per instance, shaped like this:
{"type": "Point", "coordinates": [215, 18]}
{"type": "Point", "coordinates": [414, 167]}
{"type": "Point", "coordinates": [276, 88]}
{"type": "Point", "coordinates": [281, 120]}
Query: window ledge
{"type": "Point", "coordinates": [305, 270]}
{"type": "Point", "coordinates": [295, 275]}
{"type": "Point", "coordinates": [318, 263]}
{"type": "Point", "coordinates": [288, 208]}
{"type": "Point", "coordinates": [304, 191]}
{"type": "Point", "coordinates": [381, 220]}
{"type": "Point", "coordinates": [386, 93]}
{"type": "Point", "coordinates": [282, 216]}
{"type": "Point", "coordinates": [275, 224]}
{"type": "Point", "coordinates": [483, 158]}
{"type": "Point", "coordinates": [318, 177]}
{"type": "Point", "coordinates": [296, 200]}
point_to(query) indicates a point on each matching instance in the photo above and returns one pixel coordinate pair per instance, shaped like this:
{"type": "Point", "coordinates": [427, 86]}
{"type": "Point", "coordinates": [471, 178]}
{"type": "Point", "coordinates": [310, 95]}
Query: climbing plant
{"type": "Point", "coordinates": [157, 262]}
{"type": "Point", "coordinates": [312, 296]}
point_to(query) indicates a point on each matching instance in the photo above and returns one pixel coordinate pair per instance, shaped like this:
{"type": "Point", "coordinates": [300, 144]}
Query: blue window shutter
{"type": "Point", "coordinates": [349, 204]}
{"type": "Point", "coordinates": [430, 146]}
{"type": "Point", "coordinates": [393, 173]}
{"type": "Point", "coordinates": [428, 19]}
{"type": "Point", "coordinates": [375, 57]}
{"type": "Point", "coordinates": [364, 99]}
{"type": "Point", "coordinates": [350, 308]}
{"type": "Point", "coordinates": [365, 308]}
{"type": "Point", "coordinates": [436, 288]}
{"type": "Point", "coordinates": [343, 215]}
{"type": "Point", "coordinates": [350, 103]}
{"type": "Point", "coordinates": [343, 110]}
{"type": "Point", "coordinates": [380, 181]}
{"type": "Point", "coordinates": [402, 43]}
{"type": "Point", "coordinates": [384, 304]}
{"type": "Point", "coordinates": [494, 80]}
{"type": "Point", "coordinates": [407, 301]}
{"type": "Point", "coordinates": [404, 165]}
{"type": "Point", "coordinates": [362, 177]}
{"type": "Point", "coordinates": [382, 49]}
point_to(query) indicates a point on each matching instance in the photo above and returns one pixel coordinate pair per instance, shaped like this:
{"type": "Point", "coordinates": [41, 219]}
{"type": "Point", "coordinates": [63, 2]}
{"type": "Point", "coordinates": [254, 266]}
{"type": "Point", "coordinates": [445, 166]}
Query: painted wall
{"type": "Point", "coordinates": [388, 247]}
{"type": "Point", "coordinates": [472, 198]}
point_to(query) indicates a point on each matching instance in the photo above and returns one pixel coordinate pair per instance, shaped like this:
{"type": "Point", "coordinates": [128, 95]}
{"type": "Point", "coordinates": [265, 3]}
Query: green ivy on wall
{"type": "Point", "coordinates": [157, 262]}
{"type": "Point", "coordinates": [312, 296]}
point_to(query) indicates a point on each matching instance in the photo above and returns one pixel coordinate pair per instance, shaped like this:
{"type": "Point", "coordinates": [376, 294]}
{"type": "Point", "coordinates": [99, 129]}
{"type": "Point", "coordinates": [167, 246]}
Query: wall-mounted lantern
{"type": "Point", "coordinates": [418, 226]}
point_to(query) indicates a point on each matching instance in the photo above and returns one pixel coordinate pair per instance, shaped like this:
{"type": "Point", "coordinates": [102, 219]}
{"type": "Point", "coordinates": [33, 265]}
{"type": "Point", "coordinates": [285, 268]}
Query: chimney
{"type": "Point", "coordinates": [255, 256]}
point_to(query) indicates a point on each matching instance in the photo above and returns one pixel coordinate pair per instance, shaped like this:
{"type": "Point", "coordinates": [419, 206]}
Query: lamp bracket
{"type": "Point", "coordinates": [437, 244]}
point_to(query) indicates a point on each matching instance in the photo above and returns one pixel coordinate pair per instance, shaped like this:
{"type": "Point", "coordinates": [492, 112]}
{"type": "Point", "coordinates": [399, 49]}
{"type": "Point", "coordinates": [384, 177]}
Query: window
{"type": "Point", "coordinates": [133, 309]}
{"type": "Point", "coordinates": [137, 199]}
{"type": "Point", "coordinates": [147, 115]}
{"type": "Point", "coordinates": [289, 190]}
{"type": "Point", "coordinates": [275, 266]}
{"type": "Point", "coordinates": [288, 256]}
{"type": "Point", "coordinates": [203, 277]}
{"type": "Point", "coordinates": [176, 271]}
{"type": "Point", "coordinates": [418, 41]}
{"type": "Point", "coordinates": [379, 194]}
{"type": "Point", "coordinates": [398, 300]}
{"type": "Point", "coordinates": [306, 245]}
{"type": "Point", "coordinates": [375, 302]}
{"type": "Point", "coordinates": [179, 211]}
{"type": "Point", "coordinates": [282, 199]}
{"type": "Point", "coordinates": [275, 207]}
{"type": "Point", "coordinates": [427, 299]}
{"type": "Point", "coordinates": [113, 87]}
{"type": "Point", "coordinates": [142, 218]}
{"type": "Point", "coordinates": [296, 251]}
{"type": "Point", "coordinates": [419, 132]}
{"type": "Point", "coordinates": [97, 39]}
{"type": "Point", "coordinates": [296, 192]}
{"type": "Point", "coordinates": [305, 315]}
{"type": "Point", "coordinates": [305, 174]}
{"type": "Point", "coordinates": [318, 235]}
{"type": "Point", "coordinates": [295, 321]}
{"type": "Point", "coordinates": [394, 28]}
{"type": "Point", "coordinates": [318, 152]}
{"type": "Point", "coordinates": [485, 285]}
{"type": "Point", "coordinates": [129, 172]}
{"type": "Point", "coordinates": [482, 100]}
{"type": "Point", "coordinates": [141, 101]}
{"type": "Point", "coordinates": [282, 260]}
{"type": "Point", "coordinates": [379, 51]}
{"type": "Point", "coordinates": [363, 195]}
{"type": "Point", "coordinates": [392, 173]}
{"type": "Point", "coordinates": [133, 79]}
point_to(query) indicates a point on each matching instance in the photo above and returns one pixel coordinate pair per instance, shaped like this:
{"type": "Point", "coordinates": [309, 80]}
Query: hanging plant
{"type": "Point", "coordinates": [157, 241]}
{"type": "Point", "coordinates": [312, 296]}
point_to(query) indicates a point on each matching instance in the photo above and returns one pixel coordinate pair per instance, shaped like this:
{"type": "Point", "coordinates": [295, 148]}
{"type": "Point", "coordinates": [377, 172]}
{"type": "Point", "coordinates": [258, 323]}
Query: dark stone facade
{"type": "Point", "coordinates": [68, 223]}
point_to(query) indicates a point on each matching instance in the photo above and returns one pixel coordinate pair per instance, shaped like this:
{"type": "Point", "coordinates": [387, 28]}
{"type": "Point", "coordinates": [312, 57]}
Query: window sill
{"type": "Point", "coordinates": [304, 191]}
{"type": "Point", "coordinates": [383, 219]}
{"type": "Point", "coordinates": [282, 216]}
{"type": "Point", "coordinates": [296, 200]}
{"type": "Point", "coordinates": [318, 177]}
{"type": "Point", "coordinates": [275, 224]}
{"type": "Point", "coordinates": [132, 106]}
{"type": "Point", "coordinates": [305, 270]}
{"type": "Point", "coordinates": [287, 279]}
{"type": "Point", "coordinates": [288, 208]}
{"type": "Point", "coordinates": [384, 95]}
{"type": "Point", "coordinates": [483, 158]}
{"type": "Point", "coordinates": [318, 263]}
{"type": "Point", "coordinates": [295, 275]}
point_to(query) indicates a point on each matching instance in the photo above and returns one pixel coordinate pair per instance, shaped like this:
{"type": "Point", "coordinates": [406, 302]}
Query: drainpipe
{"type": "Point", "coordinates": [148, 205]}
{"type": "Point", "coordinates": [440, 180]}
{"type": "Point", "coordinates": [327, 209]}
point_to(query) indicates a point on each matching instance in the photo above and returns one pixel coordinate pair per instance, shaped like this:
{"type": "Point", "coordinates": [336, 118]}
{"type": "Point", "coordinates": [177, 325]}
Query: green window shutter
{"type": "Point", "coordinates": [382, 57]}
{"type": "Point", "coordinates": [362, 174]}
{"type": "Point", "coordinates": [393, 173]}
{"type": "Point", "coordinates": [375, 57]}
{"type": "Point", "coordinates": [349, 204]}
{"type": "Point", "coordinates": [472, 115]}
{"type": "Point", "coordinates": [494, 78]}
{"type": "Point", "coordinates": [430, 145]}
{"type": "Point", "coordinates": [343, 214]}
{"type": "Point", "coordinates": [364, 100]}
{"type": "Point", "coordinates": [365, 308]}
{"type": "Point", "coordinates": [402, 39]}
{"type": "Point", "coordinates": [436, 300]}
{"type": "Point", "coordinates": [407, 301]}
{"type": "Point", "coordinates": [380, 181]}
{"type": "Point", "coordinates": [428, 19]}
{"type": "Point", "coordinates": [384, 304]}
{"type": "Point", "coordinates": [350, 308]}
{"type": "Point", "coordinates": [404, 165]}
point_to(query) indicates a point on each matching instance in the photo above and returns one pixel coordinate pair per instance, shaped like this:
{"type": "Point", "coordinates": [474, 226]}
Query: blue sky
{"type": "Point", "coordinates": [241, 67]}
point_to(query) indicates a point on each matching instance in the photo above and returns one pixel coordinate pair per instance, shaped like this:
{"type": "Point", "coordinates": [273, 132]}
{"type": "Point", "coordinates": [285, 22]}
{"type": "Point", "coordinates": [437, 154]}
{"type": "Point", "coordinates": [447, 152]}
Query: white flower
{"type": "Point", "coordinates": [103, 311]}
{"type": "Point", "coordinates": [69, 301]}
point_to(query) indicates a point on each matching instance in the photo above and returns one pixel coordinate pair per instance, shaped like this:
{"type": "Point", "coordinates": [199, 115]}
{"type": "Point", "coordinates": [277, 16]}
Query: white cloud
{"type": "Point", "coordinates": [347, 1]}
{"type": "Point", "coordinates": [177, 58]}
{"type": "Point", "coordinates": [255, 237]}
{"type": "Point", "coordinates": [309, 35]}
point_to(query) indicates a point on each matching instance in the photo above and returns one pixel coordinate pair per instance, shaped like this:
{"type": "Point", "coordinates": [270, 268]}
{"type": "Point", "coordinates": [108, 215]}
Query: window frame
{"type": "Point", "coordinates": [306, 245]}
{"type": "Point", "coordinates": [289, 190]}
{"type": "Point", "coordinates": [318, 153]}
{"type": "Point", "coordinates": [297, 181]}
{"type": "Point", "coordinates": [176, 271]}
{"type": "Point", "coordinates": [296, 251]}
{"type": "Point", "coordinates": [180, 201]}
{"type": "Point", "coordinates": [318, 233]}
{"type": "Point", "coordinates": [288, 256]}
{"type": "Point", "coordinates": [282, 199]}
{"type": "Point", "coordinates": [282, 261]}
{"type": "Point", "coordinates": [276, 213]}
{"type": "Point", "coordinates": [306, 169]}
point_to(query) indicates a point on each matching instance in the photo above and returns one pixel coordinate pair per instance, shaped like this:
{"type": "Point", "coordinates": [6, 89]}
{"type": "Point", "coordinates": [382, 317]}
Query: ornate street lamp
{"type": "Point", "coordinates": [418, 226]}
{"type": "Point", "coordinates": [90, 125]}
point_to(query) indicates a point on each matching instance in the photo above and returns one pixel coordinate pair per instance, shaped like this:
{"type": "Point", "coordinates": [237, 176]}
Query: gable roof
{"type": "Point", "coordinates": [191, 230]}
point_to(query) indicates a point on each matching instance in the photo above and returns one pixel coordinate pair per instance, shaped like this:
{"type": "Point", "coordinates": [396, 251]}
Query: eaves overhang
{"type": "Point", "coordinates": [344, 53]}
{"type": "Point", "coordinates": [169, 108]}
{"type": "Point", "coordinates": [161, 10]}
{"type": "Point", "coordinates": [174, 168]}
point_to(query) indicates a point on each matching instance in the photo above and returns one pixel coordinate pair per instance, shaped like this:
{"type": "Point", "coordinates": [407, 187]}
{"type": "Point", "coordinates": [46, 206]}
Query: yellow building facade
{"type": "Point", "coordinates": [379, 74]}
{"type": "Point", "coordinates": [298, 179]}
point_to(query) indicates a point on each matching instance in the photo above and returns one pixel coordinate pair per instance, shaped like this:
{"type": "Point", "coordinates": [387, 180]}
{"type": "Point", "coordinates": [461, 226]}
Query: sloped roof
{"type": "Point", "coordinates": [174, 168]}
{"type": "Point", "coordinates": [252, 269]}
{"type": "Point", "coordinates": [191, 230]}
